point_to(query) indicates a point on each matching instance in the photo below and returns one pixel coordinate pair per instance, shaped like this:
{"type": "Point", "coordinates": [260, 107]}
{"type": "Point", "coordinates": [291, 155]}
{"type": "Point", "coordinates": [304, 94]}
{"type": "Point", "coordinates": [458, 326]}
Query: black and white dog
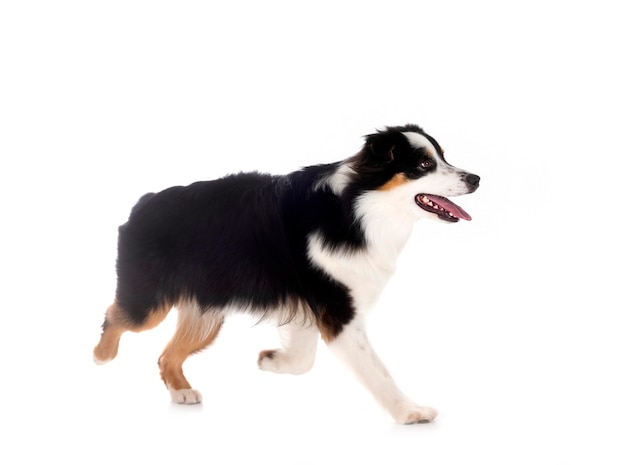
{"type": "Point", "coordinates": [312, 250]}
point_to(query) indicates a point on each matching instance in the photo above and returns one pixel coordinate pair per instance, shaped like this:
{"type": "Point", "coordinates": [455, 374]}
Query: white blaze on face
{"type": "Point", "coordinates": [445, 180]}
{"type": "Point", "coordinates": [420, 141]}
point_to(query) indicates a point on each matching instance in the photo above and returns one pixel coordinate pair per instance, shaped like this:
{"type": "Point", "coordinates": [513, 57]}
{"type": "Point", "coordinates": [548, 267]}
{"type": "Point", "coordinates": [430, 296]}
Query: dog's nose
{"type": "Point", "coordinates": [472, 180]}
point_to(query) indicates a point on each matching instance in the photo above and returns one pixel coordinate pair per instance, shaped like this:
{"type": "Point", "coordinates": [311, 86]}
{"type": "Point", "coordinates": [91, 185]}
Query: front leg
{"type": "Point", "coordinates": [298, 352]}
{"type": "Point", "coordinates": [353, 348]}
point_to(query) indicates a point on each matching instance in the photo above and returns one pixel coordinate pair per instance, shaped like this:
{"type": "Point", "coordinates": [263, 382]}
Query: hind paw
{"type": "Point", "coordinates": [185, 396]}
{"type": "Point", "coordinates": [99, 361]}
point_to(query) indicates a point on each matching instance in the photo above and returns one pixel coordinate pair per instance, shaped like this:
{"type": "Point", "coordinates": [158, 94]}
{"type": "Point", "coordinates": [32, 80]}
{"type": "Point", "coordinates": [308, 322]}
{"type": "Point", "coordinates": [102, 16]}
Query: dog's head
{"type": "Point", "coordinates": [411, 164]}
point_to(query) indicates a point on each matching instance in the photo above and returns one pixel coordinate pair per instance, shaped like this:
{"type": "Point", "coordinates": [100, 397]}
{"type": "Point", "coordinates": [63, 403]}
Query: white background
{"type": "Point", "coordinates": [511, 325]}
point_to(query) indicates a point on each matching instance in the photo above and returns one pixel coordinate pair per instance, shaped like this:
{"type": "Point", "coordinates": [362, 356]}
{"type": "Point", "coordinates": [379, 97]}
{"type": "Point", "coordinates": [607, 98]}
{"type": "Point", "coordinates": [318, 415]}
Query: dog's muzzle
{"type": "Point", "coordinates": [472, 181]}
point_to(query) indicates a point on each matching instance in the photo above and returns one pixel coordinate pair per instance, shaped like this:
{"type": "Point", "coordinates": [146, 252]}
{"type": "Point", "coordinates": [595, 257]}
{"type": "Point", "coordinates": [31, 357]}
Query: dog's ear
{"type": "Point", "coordinates": [380, 146]}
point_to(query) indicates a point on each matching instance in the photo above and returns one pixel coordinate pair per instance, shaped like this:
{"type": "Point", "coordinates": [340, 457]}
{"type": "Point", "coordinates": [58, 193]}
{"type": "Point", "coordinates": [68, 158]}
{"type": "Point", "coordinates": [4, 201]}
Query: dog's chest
{"type": "Point", "coordinates": [364, 272]}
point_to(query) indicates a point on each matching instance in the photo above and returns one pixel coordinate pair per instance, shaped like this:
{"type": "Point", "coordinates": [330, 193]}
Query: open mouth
{"type": "Point", "coordinates": [442, 207]}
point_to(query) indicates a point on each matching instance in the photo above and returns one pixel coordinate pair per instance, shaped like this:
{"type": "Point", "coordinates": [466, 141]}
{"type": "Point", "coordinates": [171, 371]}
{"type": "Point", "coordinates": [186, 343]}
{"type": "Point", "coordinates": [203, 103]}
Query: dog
{"type": "Point", "coordinates": [311, 250]}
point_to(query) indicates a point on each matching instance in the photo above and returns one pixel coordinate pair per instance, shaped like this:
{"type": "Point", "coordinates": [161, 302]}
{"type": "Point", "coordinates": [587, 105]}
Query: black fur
{"type": "Point", "coordinates": [237, 241]}
{"type": "Point", "coordinates": [241, 240]}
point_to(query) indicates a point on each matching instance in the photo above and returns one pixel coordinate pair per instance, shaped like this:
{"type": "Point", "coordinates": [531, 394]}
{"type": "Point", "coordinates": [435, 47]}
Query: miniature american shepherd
{"type": "Point", "coordinates": [311, 251]}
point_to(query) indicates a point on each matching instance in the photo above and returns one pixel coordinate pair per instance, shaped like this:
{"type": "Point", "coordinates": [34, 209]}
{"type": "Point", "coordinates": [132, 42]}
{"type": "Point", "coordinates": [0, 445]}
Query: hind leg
{"type": "Point", "coordinates": [298, 353]}
{"type": "Point", "coordinates": [195, 331]}
{"type": "Point", "coordinates": [116, 323]}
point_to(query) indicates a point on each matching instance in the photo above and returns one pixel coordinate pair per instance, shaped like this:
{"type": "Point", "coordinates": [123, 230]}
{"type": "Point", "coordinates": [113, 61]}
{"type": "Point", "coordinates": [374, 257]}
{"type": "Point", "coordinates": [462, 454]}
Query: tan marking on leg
{"type": "Point", "coordinates": [155, 318]}
{"type": "Point", "coordinates": [116, 323]}
{"type": "Point", "coordinates": [328, 335]}
{"type": "Point", "coordinates": [396, 181]}
{"type": "Point", "coordinates": [195, 331]}
{"type": "Point", "coordinates": [112, 329]}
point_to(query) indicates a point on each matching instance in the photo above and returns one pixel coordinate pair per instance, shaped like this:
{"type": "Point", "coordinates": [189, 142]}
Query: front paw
{"type": "Point", "coordinates": [267, 360]}
{"type": "Point", "coordinates": [417, 414]}
{"type": "Point", "coordinates": [278, 361]}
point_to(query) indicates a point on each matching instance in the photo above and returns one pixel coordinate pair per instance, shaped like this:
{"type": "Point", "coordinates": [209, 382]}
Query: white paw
{"type": "Point", "coordinates": [277, 361]}
{"type": "Point", "coordinates": [185, 396]}
{"type": "Point", "coordinates": [417, 414]}
{"type": "Point", "coordinates": [97, 361]}
{"type": "Point", "coordinates": [271, 360]}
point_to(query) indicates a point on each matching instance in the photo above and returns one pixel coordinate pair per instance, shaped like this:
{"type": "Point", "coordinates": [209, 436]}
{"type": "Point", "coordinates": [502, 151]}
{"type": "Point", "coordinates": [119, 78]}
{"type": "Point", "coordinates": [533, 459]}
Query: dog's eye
{"type": "Point", "coordinates": [427, 163]}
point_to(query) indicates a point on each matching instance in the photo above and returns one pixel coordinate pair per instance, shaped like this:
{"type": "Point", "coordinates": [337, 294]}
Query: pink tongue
{"type": "Point", "coordinates": [451, 207]}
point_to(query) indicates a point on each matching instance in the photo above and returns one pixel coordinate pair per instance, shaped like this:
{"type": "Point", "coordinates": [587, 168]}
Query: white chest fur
{"type": "Point", "coordinates": [387, 223]}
